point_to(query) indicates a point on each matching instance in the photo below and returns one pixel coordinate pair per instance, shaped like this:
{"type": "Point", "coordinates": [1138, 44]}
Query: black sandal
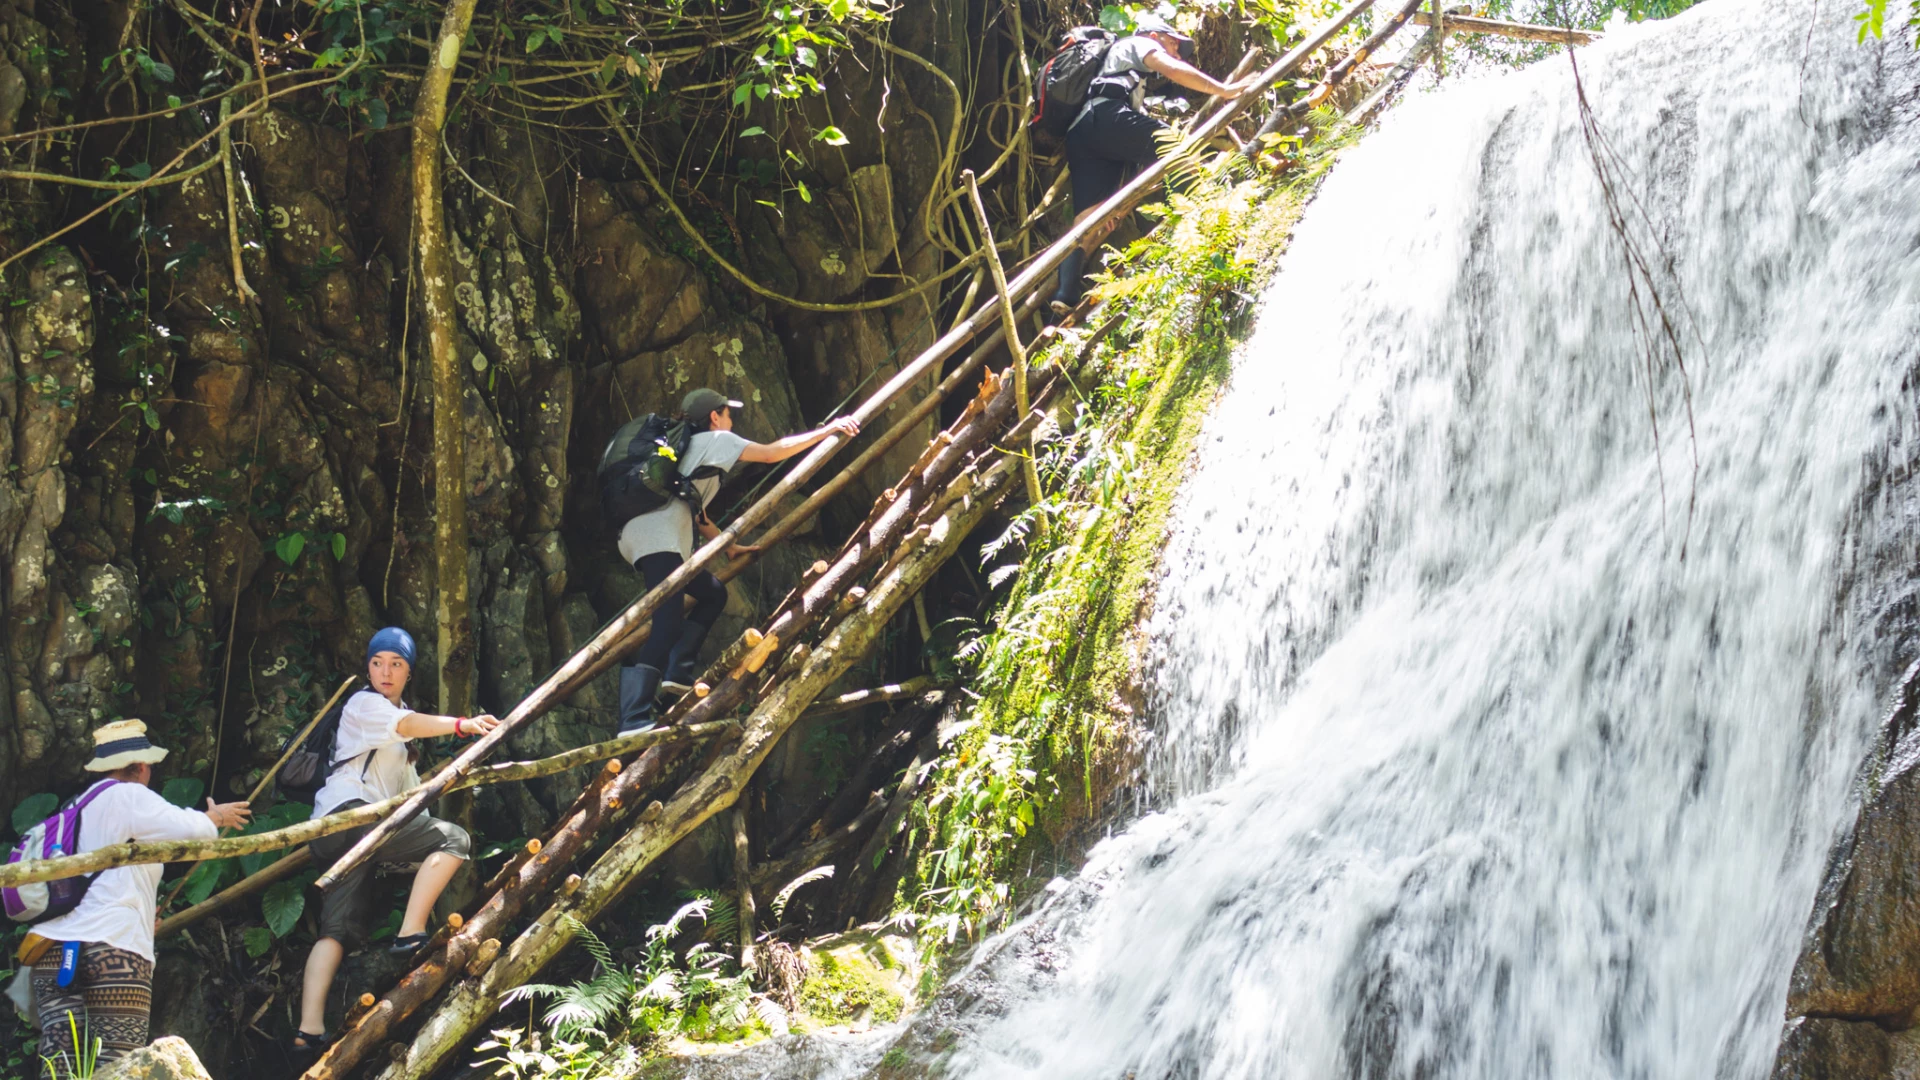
{"type": "Point", "coordinates": [410, 944]}
{"type": "Point", "coordinates": [305, 1048]}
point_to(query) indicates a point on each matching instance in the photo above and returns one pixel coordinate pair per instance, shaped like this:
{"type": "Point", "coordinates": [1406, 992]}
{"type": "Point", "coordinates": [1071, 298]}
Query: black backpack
{"type": "Point", "coordinates": [311, 762]}
{"type": "Point", "coordinates": [1065, 78]}
{"type": "Point", "coordinates": [640, 469]}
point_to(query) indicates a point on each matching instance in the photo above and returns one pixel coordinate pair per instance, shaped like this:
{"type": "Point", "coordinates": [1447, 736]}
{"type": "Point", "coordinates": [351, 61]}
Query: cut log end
{"type": "Point", "coordinates": [701, 689]}
{"type": "Point", "coordinates": [819, 567]}
{"type": "Point", "coordinates": [455, 921]}
{"type": "Point", "coordinates": [653, 811]}
{"type": "Point", "coordinates": [533, 846]}
{"type": "Point", "coordinates": [366, 1001]}
{"type": "Point", "coordinates": [484, 956]}
{"type": "Point", "coordinates": [614, 766]}
{"type": "Point", "coordinates": [568, 886]}
{"type": "Point", "coordinates": [751, 637]}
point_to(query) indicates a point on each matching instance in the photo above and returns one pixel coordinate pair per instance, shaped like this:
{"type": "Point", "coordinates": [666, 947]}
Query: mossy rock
{"type": "Point", "coordinates": [857, 978]}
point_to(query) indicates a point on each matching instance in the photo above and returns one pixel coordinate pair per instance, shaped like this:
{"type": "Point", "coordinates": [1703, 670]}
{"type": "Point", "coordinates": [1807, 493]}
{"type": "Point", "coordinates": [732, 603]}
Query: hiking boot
{"type": "Point", "coordinates": [1070, 284]}
{"type": "Point", "coordinates": [680, 673]}
{"type": "Point", "coordinates": [638, 684]}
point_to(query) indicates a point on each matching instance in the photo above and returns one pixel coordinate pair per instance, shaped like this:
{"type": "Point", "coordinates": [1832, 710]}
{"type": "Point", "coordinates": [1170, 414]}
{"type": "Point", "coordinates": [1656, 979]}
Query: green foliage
{"type": "Point", "coordinates": [282, 904]}
{"type": "Point", "coordinates": [603, 1022]}
{"type": "Point", "coordinates": [1053, 666]}
{"type": "Point", "coordinates": [183, 791]}
{"type": "Point", "coordinates": [34, 809]}
{"type": "Point", "coordinates": [257, 939]}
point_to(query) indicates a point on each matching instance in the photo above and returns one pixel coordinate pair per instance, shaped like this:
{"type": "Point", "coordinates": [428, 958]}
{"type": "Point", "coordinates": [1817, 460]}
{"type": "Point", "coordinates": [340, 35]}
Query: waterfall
{"type": "Point", "coordinates": [1497, 738]}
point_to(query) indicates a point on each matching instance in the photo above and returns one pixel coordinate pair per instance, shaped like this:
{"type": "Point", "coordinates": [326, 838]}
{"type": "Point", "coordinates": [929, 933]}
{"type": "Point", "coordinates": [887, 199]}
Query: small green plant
{"type": "Point", "coordinates": [598, 1023]}
{"type": "Point", "coordinates": [86, 1049]}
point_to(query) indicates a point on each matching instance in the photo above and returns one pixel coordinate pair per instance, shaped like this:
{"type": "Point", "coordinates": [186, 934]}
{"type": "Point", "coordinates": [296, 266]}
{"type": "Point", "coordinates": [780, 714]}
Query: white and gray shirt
{"type": "Point", "coordinates": [369, 755]}
{"type": "Point", "coordinates": [670, 528]}
{"type": "Point", "coordinates": [1129, 55]}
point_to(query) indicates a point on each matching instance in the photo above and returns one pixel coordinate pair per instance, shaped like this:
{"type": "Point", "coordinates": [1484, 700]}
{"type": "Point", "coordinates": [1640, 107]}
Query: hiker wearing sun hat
{"type": "Point", "coordinates": [657, 542]}
{"type": "Point", "coordinates": [371, 762]}
{"type": "Point", "coordinates": [96, 974]}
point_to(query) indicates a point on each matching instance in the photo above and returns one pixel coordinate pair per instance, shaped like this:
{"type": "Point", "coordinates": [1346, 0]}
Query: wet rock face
{"type": "Point", "coordinates": [213, 491]}
{"type": "Point", "coordinates": [1854, 997]}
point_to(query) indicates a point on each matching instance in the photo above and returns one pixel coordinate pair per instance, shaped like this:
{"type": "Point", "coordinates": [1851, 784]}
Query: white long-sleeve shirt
{"type": "Point", "coordinates": [118, 909]}
{"type": "Point", "coordinates": [369, 755]}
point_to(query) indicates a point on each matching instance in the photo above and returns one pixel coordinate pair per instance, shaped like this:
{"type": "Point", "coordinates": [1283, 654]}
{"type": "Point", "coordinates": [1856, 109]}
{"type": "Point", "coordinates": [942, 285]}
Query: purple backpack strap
{"type": "Point", "coordinates": [72, 814]}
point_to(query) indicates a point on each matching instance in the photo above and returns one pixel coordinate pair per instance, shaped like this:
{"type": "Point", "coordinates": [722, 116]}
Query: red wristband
{"type": "Point", "coordinates": [456, 726]}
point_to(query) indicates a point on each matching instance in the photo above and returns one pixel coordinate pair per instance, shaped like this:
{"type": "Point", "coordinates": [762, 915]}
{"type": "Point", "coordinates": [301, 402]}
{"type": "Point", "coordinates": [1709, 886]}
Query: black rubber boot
{"type": "Point", "coordinates": [638, 684]}
{"type": "Point", "coordinates": [680, 670]}
{"type": "Point", "coordinates": [1072, 283]}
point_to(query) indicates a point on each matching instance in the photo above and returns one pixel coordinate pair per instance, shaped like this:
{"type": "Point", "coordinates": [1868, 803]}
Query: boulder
{"type": "Point", "coordinates": [1857, 962]}
{"type": "Point", "coordinates": [168, 1058]}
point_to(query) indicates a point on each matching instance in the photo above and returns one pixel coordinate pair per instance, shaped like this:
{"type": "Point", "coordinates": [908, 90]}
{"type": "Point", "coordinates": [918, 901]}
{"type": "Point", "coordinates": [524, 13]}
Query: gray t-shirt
{"type": "Point", "coordinates": [1129, 54]}
{"type": "Point", "coordinates": [670, 528]}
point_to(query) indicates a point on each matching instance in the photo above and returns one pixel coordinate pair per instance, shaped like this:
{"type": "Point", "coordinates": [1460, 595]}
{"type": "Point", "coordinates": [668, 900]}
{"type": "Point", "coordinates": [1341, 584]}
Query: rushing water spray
{"type": "Point", "coordinates": [1496, 742]}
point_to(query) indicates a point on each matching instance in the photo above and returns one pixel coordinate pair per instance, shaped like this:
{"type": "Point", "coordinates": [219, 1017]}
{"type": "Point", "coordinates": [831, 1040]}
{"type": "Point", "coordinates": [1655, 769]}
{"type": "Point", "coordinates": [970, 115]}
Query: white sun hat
{"type": "Point", "coordinates": [123, 743]}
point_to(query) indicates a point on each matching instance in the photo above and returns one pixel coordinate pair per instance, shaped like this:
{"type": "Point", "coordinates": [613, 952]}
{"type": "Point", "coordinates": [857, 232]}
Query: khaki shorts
{"type": "Point", "coordinates": [345, 908]}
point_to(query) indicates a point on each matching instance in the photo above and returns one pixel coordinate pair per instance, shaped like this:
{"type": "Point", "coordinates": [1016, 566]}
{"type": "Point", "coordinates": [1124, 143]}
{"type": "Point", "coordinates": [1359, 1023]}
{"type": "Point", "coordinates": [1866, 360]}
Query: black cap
{"type": "Point", "coordinates": [697, 404]}
{"type": "Point", "coordinates": [1154, 24]}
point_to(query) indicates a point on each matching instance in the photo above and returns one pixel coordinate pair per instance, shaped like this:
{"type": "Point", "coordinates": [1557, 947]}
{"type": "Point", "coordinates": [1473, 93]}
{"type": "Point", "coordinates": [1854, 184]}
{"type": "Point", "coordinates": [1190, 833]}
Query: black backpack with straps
{"type": "Point", "coordinates": [311, 762]}
{"type": "Point", "coordinates": [640, 469]}
{"type": "Point", "coordinates": [1064, 81]}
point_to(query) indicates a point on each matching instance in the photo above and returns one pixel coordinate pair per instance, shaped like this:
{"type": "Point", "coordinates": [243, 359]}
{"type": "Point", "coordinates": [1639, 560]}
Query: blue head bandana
{"type": "Point", "coordinates": [394, 640]}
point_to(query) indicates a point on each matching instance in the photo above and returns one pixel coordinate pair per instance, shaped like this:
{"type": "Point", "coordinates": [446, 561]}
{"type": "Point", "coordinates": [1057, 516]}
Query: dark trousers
{"type": "Point", "coordinates": [1108, 144]}
{"type": "Point", "coordinates": [670, 619]}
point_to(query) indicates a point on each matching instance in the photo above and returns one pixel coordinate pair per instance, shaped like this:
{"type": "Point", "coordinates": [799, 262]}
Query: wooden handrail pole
{"type": "Point", "coordinates": [1010, 323]}
{"type": "Point", "coordinates": [140, 852]}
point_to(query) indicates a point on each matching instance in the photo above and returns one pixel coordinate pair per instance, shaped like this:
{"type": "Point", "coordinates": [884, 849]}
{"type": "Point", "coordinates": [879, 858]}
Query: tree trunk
{"type": "Point", "coordinates": [453, 620]}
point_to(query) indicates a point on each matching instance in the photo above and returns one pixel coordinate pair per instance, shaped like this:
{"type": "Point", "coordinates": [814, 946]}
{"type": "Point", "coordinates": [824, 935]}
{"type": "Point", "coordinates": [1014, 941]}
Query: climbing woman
{"type": "Point", "coordinates": [658, 541]}
{"type": "Point", "coordinates": [371, 762]}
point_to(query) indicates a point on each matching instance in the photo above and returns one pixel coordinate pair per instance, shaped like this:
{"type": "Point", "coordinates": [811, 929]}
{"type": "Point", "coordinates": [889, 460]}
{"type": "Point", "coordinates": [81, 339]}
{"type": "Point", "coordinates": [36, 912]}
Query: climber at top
{"type": "Point", "coordinates": [1113, 136]}
{"type": "Point", "coordinates": [659, 538]}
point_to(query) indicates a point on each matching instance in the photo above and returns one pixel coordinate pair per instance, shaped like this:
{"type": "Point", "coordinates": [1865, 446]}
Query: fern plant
{"type": "Point", "coordinates": [601, 1025]}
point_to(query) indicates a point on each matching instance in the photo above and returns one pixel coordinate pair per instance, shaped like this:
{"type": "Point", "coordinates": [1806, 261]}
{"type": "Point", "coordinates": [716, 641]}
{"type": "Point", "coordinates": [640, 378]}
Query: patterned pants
{"type": "Point", "coordinates": [110, 999]}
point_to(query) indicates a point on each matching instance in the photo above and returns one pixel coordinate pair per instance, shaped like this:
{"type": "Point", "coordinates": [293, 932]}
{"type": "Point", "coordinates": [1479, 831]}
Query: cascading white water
{"type": "Point", "coordinates": [1493, 743]}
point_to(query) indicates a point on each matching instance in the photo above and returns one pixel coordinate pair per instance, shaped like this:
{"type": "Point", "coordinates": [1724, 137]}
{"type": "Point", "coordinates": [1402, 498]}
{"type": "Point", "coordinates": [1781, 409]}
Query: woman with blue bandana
{"type": "Point", "coordinates": [371, 762]}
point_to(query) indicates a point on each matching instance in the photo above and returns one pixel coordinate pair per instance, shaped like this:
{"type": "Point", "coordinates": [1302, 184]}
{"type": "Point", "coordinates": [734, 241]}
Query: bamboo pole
{"type": "Point", "coordinates": [549, 691]}
{"type": "Point", "coordinates": [290, 864]}
{"type": "Point", "coordinates": [140, 852]}
{"type": "Point", "coordinates": [261, 787]}
{"type": "Point", "coordinates": [1320, 92]}
{"type": "Point", "coordinates": [1467, 24]}
{"type": "Point", "coordinates": [1428, 45]}
{"type": "Point", "coordinates": [470, 1003]}
{"type": "Point", "coordinates": [879, 695]}
{"type": "Point", "coordinates": [258, 790]}
{"type": "Point", "coordinates": [1008, 322]}
{"type": "Point", "coordinates": [743, 884]}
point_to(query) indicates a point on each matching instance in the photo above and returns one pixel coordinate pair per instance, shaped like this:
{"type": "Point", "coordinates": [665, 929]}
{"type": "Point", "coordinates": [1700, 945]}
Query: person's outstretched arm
{"type": "Point", "coordinates": [1185, 74]}
{"type": "Point", "coordinates": [782, 449]}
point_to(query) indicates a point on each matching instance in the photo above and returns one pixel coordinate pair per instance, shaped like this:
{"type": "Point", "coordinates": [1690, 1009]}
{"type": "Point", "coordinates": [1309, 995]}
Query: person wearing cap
{"type": "Point", "coordinates": [1113, 136]}
{"type": "Point", "coordinates": [108, 993]}
{"type": "Point", "coordinates": [656, 543]}
{"type": "Point", "coordinates": [372, 762]}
